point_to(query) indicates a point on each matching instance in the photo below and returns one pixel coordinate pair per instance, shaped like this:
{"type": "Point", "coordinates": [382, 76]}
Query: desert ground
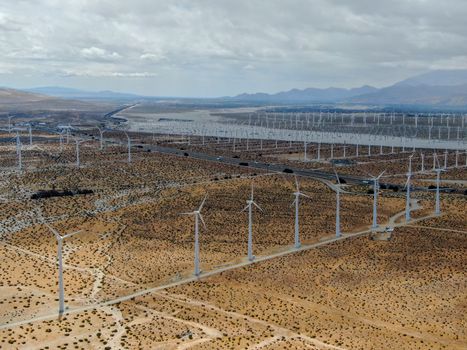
{"type": "Point", "coordinates": [128, 274]}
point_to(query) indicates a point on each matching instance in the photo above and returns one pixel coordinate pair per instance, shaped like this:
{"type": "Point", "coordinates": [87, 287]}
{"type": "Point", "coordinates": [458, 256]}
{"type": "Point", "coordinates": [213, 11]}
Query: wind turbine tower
{"type": "Point", "coordinates": [30, 134]}
{"type": "Point", "coordinates": [437, 204]}
{"type": "Point", "coordinates": [407, 196]}
{"type": "Point", "coordinates": [338, 206]}
{"type": "Point", "coordinates": [77, 152]}
{"type": "Point", "coordinates": [129, 147]}
{"type": "Point", "coordinates": [198, 217]}
{"type": "Point", "coordinates": [101, 138]}
{"type": "Point", "coordinates": [297, 194]}
{"type": "Point", "coordinates": [375, 199]}
{"type": "Point", "coordinates": [18, 152]}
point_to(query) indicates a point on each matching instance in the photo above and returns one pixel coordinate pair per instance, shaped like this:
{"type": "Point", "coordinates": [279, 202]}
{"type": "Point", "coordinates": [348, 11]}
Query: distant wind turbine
{"type": "Point", "coordinates": [78, 142]}
{"type": "Point", "coordinates": [129, 147]}
{"type": "Point", "coordinates": [438, 171]}
{"type": "Point", "coordinates": [30, 134]}
{"type": "Point", "coordinates": [101, 138]}
{"type": "Point", "coordinates": [18, 152]}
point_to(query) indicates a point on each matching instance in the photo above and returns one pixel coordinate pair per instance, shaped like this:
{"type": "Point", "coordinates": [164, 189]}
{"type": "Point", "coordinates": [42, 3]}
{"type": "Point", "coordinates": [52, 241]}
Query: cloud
{"type": "Point", "coordinates": [8, 24]}
{"type": "Point", "coordinates": [98, 54]}
{"type": "Point", "coordinates": [94, 74]}
{"type": "Point", "coordinates": [221, 47]}
{"type": "Point", "coordinates": [153, 57]}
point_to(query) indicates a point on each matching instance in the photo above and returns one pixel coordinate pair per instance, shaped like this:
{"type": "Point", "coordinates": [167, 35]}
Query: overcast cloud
{"type": "Point", "coordinates": [225, 47]}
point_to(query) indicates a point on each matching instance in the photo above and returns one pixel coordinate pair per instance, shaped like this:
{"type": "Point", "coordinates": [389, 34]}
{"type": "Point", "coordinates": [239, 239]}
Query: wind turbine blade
{"type": "Point", "coordinates": [72, 234]}
{"type": "Point", "coordinates": [251, 191]}
{"type": "Point", "coordinates": [379, 176]}
{"type": "Point", "coordinates": [187, 213]}
{"type": "Point", "coordinates": [202, 220]}
{"type": "Point", "coordinates": [304, 195]}
{"type": "Point", "coordinates": [245, 208]}
{"type": "Point", "coordinates": [257, 206]}
{"type": "Point", "coordinates": [407, 182]}
{"type": "Point", "coordinates": [202, 203]}
{"type": "Point", "coordinates": [54, 231]}
{"type": "Point", "coordinates": [296, 184]}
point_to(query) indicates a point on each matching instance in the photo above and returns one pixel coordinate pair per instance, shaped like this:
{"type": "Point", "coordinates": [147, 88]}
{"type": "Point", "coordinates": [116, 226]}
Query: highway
{"type": "Point", "coordinates": [274, 167]}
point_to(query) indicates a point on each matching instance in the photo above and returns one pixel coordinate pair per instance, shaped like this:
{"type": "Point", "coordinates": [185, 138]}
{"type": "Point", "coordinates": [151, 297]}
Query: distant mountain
{"type": "Point", "coordinates": [307, 95]}
{"type": "Point", "coordinates": [437, 78]}
{"type": "Point", "coordinates": [77, 94]}
{"type": "Point", "coordinates": [17, 96]}
{"type": "Point", "coordinates": [426, 95]}
{"type": "Point", "coordinates": [438, 88]}
{"type": "Point", "coordinates": [13, 100]}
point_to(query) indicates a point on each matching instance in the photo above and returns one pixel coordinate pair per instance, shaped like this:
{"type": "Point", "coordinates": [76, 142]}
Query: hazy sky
{"type": "Point", "coordinates": [225, 47]}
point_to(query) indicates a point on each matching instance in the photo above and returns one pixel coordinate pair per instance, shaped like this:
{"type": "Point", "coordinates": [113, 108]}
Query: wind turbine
{"type": "Point", "coordinates": [18, 152]}
{"type": "Point", "coordinates": [30, 134]}
{"type": "Point", "coordinates": [9, 123]}
{"type": "Point", "coordinates": [129, 147]}
{"type": "Point", "coordinates": [338, 205]}
{"type": "Point", "coordinates": [61, 141]}
{"type": "Point", "coordinates": [297, 194]}
{"type": "Point", "coordinates": [438, 171]}
{"type": "Point", "coordinates": [198, 217]}
{"type": "Point", "coordinates": [407, 186]}
{"type": "Point", "coordinates": [77, 151]}
{"type": "Point", "coordinates": [61, 291]}
{"type": "Point", "coordinates": [375, 198]}
{"type": "Point", "coordinates": [101, 138]}
{"type": "Point", "coordinates": [250, 204]}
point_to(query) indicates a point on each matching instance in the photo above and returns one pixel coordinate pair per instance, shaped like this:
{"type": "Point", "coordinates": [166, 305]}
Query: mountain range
{"type": "Point", "coordinates": [64, 92]}
{"type": "Point", "coordinates": [440, 88]}
{"type": "Point", "coordinates": [436, 88]}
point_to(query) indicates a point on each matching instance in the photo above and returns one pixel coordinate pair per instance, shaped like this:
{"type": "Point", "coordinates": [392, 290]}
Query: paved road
{"type": "Point", "coordinates": [273, 167]}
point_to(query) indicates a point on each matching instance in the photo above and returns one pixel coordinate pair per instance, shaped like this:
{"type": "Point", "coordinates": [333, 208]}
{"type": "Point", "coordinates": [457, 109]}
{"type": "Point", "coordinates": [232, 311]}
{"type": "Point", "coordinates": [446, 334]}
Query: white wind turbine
{"type": "Point", "coordinates": [438, 171]}
{"type": "Point", "coordinates": [101, 138]}
{"type": "Point", "coordinates": [61, 290]}
{"type": "Point", "coordinates": [129, 146]}
{"type": "Point", "coordinates": [61, 140]}
{"type": "Point", "coordinates": [30, 134]}
{"type": "Point", "coordinates": [9, 123]}
{"type": "Point", "coordinates": [18, 152]}
{"type": "Point", "coordinates": [198, 217]}
{"type": "Point", "coordinates": [375, 198]}
{"type": "Point", "coordinates": [78, 142]}
{"type": "Point", "coordinates": [297, 194]}
{"type": "Point", "coordinates": [407, 187]}
{"type": "Point", "coordinates": [250, 204]}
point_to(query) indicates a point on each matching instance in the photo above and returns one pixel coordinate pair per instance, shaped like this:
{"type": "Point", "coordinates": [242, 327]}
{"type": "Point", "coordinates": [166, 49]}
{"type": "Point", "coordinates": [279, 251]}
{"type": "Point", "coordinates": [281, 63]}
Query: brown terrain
{"type": "Point", "coordinates": [129, 273]}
